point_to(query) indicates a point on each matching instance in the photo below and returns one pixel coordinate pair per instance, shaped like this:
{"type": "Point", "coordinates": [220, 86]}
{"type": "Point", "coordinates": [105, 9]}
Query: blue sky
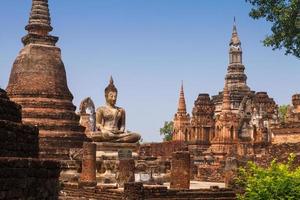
{"type": "Point", "coordinates": [149, 46]}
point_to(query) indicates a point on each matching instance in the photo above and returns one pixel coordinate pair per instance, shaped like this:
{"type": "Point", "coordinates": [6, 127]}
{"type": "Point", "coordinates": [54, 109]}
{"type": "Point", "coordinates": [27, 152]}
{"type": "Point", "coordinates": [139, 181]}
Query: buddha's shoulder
{"type": "Point", "coordinates": [121, 109]}
{"type": "Point", "coordinates": [101, 108]}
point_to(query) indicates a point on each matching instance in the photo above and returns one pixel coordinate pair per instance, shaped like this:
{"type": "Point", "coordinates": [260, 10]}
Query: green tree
{"type": "Point", "coordinates": [279, 181]}
{"type": "Point", "coordinates": [283, 16]}
{"type": "Point", "coordinates": [167, 131]}
{"type": "Point", "coordinates": [282, 112]}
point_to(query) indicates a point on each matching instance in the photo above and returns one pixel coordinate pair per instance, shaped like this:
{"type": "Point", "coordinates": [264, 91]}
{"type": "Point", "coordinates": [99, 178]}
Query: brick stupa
{"type": "Point", "coordinates": [38, 83]}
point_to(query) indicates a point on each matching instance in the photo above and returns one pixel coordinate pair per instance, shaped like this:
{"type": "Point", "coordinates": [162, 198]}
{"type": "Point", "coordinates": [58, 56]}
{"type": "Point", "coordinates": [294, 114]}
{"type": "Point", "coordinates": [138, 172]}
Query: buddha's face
{"type": "Point", "coordinates": [111, 98]}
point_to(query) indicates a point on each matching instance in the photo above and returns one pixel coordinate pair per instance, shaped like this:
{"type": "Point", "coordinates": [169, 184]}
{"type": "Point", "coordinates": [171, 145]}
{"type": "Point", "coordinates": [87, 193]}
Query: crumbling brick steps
{"type": "Point", "coordinates": [74, 192]}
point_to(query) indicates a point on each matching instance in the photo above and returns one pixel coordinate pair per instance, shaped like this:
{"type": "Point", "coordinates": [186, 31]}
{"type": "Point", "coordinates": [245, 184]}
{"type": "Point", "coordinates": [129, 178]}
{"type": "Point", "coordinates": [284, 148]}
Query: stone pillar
{"type": "Point", "coordinates": [126, 169]}
{"type": "Point", "coordinates": [180, 170]}
{"type": "Point", "coordinates": [231, 167]}
{"type": "Point", "coordinates": [88, 174]}
{"type": "Point", "coordinates": [133, 191]}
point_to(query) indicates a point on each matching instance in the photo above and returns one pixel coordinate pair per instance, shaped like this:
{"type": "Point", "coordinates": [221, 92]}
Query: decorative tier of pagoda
{"type": "Point", "coordinates": [202, 121]}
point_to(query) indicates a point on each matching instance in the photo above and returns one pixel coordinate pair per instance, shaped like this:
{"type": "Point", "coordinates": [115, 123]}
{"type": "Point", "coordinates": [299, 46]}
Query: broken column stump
{"type": "Point", "coordinates": [180, 170]}
{"type": "Point", "coordinates": [88, 174]}
{"type": "Point", "coordinates": [126, 167]}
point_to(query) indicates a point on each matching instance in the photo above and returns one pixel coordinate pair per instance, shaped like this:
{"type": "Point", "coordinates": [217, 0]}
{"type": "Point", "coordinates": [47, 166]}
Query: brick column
{"type": "Point", "coordinates": [180, 170]}
{"type": "Point", "coordinates": [88, 174]}
{"type": "Point", "coordinates": [126, 169]}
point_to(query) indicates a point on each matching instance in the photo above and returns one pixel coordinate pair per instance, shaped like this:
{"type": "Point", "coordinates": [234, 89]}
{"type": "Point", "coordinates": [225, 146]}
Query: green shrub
{"type": "Point", "coordinates": [279, 181]}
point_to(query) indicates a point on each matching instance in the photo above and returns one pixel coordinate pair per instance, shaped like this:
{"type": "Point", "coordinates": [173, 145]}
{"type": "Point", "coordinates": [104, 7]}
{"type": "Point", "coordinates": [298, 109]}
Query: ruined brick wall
{"type": "Point", "coordinates": [163, 149]}
{"type": "Point", "coordinates": [210, 173]}
{"type": "Point", "coordinates": [287, 134]}
{"type": "Point", "coordinates": [280, 152]}
{"type": "Point", "coordinates": [262, 154]}
{"type": "Point", "coordinates": [22, 175]}
{"type": "Point", "coordinates": [18, 140]}
{"type": "Point", "coordinates": [23, 179]}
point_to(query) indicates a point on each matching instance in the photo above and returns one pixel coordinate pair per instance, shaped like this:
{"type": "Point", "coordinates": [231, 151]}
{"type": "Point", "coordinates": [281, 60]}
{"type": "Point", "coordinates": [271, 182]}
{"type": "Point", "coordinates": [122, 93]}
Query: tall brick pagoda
{"type": "Point", "coordinates": [236, 78]}
{"type": "Point", "coordinates": [38, 83]}
{"type": "Point", "coordinates": [181, 119]}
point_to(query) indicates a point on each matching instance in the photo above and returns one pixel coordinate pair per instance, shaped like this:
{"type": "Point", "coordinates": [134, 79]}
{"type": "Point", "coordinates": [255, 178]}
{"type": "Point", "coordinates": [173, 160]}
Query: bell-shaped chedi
{"type": "Point", "coordinates": [38, 83]}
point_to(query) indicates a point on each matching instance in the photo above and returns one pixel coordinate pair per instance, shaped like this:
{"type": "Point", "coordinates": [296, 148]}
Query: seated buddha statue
{"type": "Point", "coordinates": [110, 120]}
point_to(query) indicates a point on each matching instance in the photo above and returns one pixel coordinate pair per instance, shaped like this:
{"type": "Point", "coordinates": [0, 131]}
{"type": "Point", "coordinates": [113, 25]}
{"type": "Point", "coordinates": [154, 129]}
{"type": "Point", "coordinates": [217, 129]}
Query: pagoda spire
{"type": "Point", "coordinates": [181, 103]}
{"type": "Point", "coordinates": [234, 29]}
{"type": "Point", "coordinates": [39, 20]}
{"type": "Point", "coordinates": [236, 77]}
{"type": "Point", "coordinates": [181, 119]}
{"type": "Point", "coordinates": [235, 46]}
{"type": "Point", "coordinates": [39, 25]}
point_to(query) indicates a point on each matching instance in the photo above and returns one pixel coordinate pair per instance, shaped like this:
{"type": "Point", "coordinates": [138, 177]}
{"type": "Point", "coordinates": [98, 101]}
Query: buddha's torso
{"type": "Point", "coordinates": [112, 117]}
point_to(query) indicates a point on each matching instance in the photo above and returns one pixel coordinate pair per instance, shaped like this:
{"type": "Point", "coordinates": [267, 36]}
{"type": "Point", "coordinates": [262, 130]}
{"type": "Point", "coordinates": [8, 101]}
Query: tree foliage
{"type": "Point", "coordinates": [282, 112]}
{"type": "Point", "coordinates": [167, 131]}
{"type": "Point", "coordinates": [279, 181]}
{"type": "Point", "coordinates": [282, 14]}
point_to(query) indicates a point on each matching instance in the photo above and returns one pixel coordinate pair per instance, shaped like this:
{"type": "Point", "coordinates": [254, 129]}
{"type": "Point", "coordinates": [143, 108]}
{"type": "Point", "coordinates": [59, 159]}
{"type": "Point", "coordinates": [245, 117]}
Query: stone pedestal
{"type": "Point", "coordinates": [180, 170]}
{"type": "Point", "coordinates": [126, 170]}
{"type": "Point", "coordinates": [88, 174]}
{"type": "Point", "coordinates": [107, 159]}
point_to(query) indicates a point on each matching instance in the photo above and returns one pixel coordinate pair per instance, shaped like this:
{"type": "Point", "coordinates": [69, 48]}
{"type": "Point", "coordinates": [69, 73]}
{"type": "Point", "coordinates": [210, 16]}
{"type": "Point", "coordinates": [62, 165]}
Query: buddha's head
{"type": "Point", "coordinates": [111, 93]}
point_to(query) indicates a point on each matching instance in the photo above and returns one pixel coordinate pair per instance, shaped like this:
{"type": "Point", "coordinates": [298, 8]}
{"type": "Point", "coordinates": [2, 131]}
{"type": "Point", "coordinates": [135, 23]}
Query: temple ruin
{"type": "Point", "coordinates": [236, 122]}
{"type": "Point", "coordinates": [50, 152]}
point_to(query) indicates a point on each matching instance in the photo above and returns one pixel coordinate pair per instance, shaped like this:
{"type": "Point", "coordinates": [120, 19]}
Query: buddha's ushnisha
{"type": "Point", "coordinates": [110, 120]}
